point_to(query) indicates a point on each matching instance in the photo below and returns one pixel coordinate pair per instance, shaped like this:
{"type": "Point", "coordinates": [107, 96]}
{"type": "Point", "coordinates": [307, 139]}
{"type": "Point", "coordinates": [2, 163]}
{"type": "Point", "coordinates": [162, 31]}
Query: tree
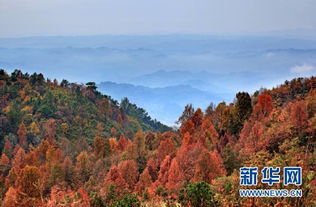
{"type": "Point", "coordinates": [187, 127]}
{"type": "Point", "coordinates": [34, 128]}
{"type": "Point", "coordinates": [83, 167]}
{"type": "Point", "coordinates": [14, 116]}
{"type": "Point", "coordinates": [129, 172]}
{"type": "Point", "coordinates": [114, 178]}
{"type": "Point", "coordinates": [85, 201]}
{"type": "Point", "coordinates": [208, 166]}
{"type": "Point", "coordinates": [251, 137]}
{"type": "Point", "coordinates": [68, 169]}
{"type": "Point", "coordinates": [175, 176]}
{"type": "Point", "coordinates": [166, 147]}
{"type": "Point", "coordinates": [139, 144]}
{"type": "Point", "coordinates": [263, 107]}
{"type": "Point", "coordinates": [16, 75]}
{"type": "Point", "coordinates": [299, 115]}
{"type": "Point", "coordinates": [27, 181]}
{"type": "Point", "coordinates": [197, 195]}
{"type": "Point", "coordinates": [210, 110]}
{"type": "Point", "coordinates": [19, 159]}
{"type": "Point", "coordinates": [90, 91]}
{"type": "Point", "coordinates": [4, 164]}
{"type": "Point", "coordinates": [28, 187]}
{"type": "Point", "coordinates": [37, 79]}
{"type": "Point", "coordinates": [187, 114]}
{"type": "Point", "coordinates": [218, 117]}
{"type": "Point", "coordinates": [144, 182]}
{"type": "Point", "coordinates": [50, 129]}
{"type": "Point", "coordinates": [22, 132]}
{"type": "Point", "coordinates": [91, 85]}
{"type": "Point", "coordinates": [10, 199]}
{"type": "Point", "coordinates": [113, 144]}
{"type": "Point", "coordinates": [186, 157]}
{"type": "Point", "coordinates": [153, 168]}
{"type": "Point", "coordinates": [97, 201]}
{"type": "Point", "coordinates": [127, 201]}
{"type": "Point", "coordinates": [7, 148]}
{"type": "Point", "coordinates": [209, 133]}
{"type": "Point", "coordinates": [101, 147]}
{"type": "Point", "coordinates": [114, 132]}
{"type": "Point", "coordinates": [231, 160]}
{"type": "Point", "coordinates": [3, 75]}
{"type": "Point", "coordinates": [243, 107]}
{"type": "Point", "coordinates": [163, 172]}
{"type": "Point", "coordinates": [150, 141]}
{"type": "Point", "coordinates": [125, 104]}
{"type": "Point", "coordinates": [64, 83]}
{"type": "Point", "coordinates": [4, 160]}
{"type": "Point", "coordinates": [122, 143]}
{"type": "Point", "coordinates": [48, 106]}
{"type": "Point", "coordinates": [197, 118]}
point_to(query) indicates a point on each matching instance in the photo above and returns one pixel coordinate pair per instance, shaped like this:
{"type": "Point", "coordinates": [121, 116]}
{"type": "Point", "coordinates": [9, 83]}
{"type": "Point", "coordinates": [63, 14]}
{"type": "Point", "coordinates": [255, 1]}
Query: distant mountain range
{"type": "Point", "coordinates": [166, 103]}
{"type": "Point", "coordinates": [196, 68]}
{"type": "Point", "coordinates": [203, 80]}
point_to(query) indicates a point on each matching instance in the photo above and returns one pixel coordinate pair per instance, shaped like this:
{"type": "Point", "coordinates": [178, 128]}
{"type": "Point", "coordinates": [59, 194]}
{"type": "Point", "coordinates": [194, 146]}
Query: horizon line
{"type": "Point", "coordinates": [281, 33]}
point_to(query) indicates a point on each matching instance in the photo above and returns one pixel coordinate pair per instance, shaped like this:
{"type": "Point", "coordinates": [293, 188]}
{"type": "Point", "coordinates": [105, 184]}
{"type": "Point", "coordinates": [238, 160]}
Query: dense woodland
{"type": "Point", "coordinates": [65, 144]}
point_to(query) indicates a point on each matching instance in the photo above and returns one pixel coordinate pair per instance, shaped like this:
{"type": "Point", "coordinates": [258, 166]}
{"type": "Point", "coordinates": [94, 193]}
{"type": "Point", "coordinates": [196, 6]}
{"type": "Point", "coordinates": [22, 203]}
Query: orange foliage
{"type": "Point", "coordinates": [50, 128]}
{"type": "Point", "coordinates": [163, 172]}
{"type": "Point", "coordinates": [129, 172]}
{"type": "Point", "coordinates": [63, 171]}
{"type": "Point", "coordinates": [299, 114]}
{"type": "Point", "coordinates": [144, 182]}
{"type": "Point", "coordinates": [153, 168]}
{"type": "Point", "coordinates": [175, 176]}
{"type": "Point", "coordinates": [10, 199]}
{"type": "Point", "coordinates": [209, 133]}
{"type": "Point", "coordinates": [22, 135]}
{"type": "Point", "coordinates": [4, 160]}
{"type": "Point", "coordinates": [115, 177]}
{"type": "Point", "coordinates": [19, 159]}
{"type": "Point", "coordinates": [8, 147]}
{"type": "Point", "coordinates": [263, 107]}
{"type": "Point", "coordinates": [197, 118]}
{"type": "Point", "coordinates": [166, 147]}
{"type": "Point", "coordinates": [187, 127]}
{"type": "Point", "coordinates": [28, 191]}
{"type": "Point", "coordinates": [122, 143]}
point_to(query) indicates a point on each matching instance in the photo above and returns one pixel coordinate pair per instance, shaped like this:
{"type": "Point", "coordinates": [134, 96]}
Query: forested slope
{"type": "Point", "coordinates": [67, 145]}
{"type": "Point", "coordinates": [75, 110]}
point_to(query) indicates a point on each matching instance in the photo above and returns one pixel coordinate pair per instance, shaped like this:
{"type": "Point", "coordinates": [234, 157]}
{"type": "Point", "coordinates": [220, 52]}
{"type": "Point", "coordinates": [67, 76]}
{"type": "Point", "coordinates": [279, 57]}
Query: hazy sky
{"type": "Point", "coordinates": [85, 17]}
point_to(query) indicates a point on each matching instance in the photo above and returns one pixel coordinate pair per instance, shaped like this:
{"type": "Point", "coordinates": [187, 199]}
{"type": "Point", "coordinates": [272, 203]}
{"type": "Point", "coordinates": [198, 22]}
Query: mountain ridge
{"type": "Point", "coordinates": [158, 101]}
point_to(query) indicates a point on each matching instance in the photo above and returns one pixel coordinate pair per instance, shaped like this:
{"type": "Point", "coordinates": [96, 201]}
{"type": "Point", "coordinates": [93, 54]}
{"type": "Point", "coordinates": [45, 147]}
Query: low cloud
{"type": "Point", "coordinates": [303, 69]}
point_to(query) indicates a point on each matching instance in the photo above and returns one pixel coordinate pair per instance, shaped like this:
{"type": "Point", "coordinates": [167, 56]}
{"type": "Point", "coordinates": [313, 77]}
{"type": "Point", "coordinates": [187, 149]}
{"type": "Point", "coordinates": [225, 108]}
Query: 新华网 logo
{"type": "Point", "coordinates": [270, 176]}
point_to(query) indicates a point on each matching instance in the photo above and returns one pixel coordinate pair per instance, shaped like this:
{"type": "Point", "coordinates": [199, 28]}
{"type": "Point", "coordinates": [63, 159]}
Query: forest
{"type": "Point", "coordinates": [66, 144]}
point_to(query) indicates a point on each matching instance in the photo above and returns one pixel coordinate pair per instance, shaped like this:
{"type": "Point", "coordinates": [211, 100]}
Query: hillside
{"type": "Point", "coordinates": [67, 145]}
{"type": "Point", "coordinates": [76, 111]}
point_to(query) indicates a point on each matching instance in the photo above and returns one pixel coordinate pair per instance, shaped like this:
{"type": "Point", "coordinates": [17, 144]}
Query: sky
{"type": "Point", "coordinates": [89, 17]}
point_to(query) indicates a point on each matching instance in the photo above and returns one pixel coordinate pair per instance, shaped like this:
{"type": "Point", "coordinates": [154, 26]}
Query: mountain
{"type": "Point", "coordinates": [203, 80]}
{"type": "Point", "coordinates": [69, 110]}
{"type": "Point", "coordinates": [165, 103]}
{"type": "Point", "coordinates": [163, 78]}
{"type": "Point", "coordinates": [214, 67]}
{"type": "Point", "coordinates": [124, 58]}
{"type": "Point", "coordinates": [64, 144]}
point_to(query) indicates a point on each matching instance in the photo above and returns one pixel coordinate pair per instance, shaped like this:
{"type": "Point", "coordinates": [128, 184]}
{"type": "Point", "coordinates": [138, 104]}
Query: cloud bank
{"type": "Point", "coordinates": [303, 69]}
